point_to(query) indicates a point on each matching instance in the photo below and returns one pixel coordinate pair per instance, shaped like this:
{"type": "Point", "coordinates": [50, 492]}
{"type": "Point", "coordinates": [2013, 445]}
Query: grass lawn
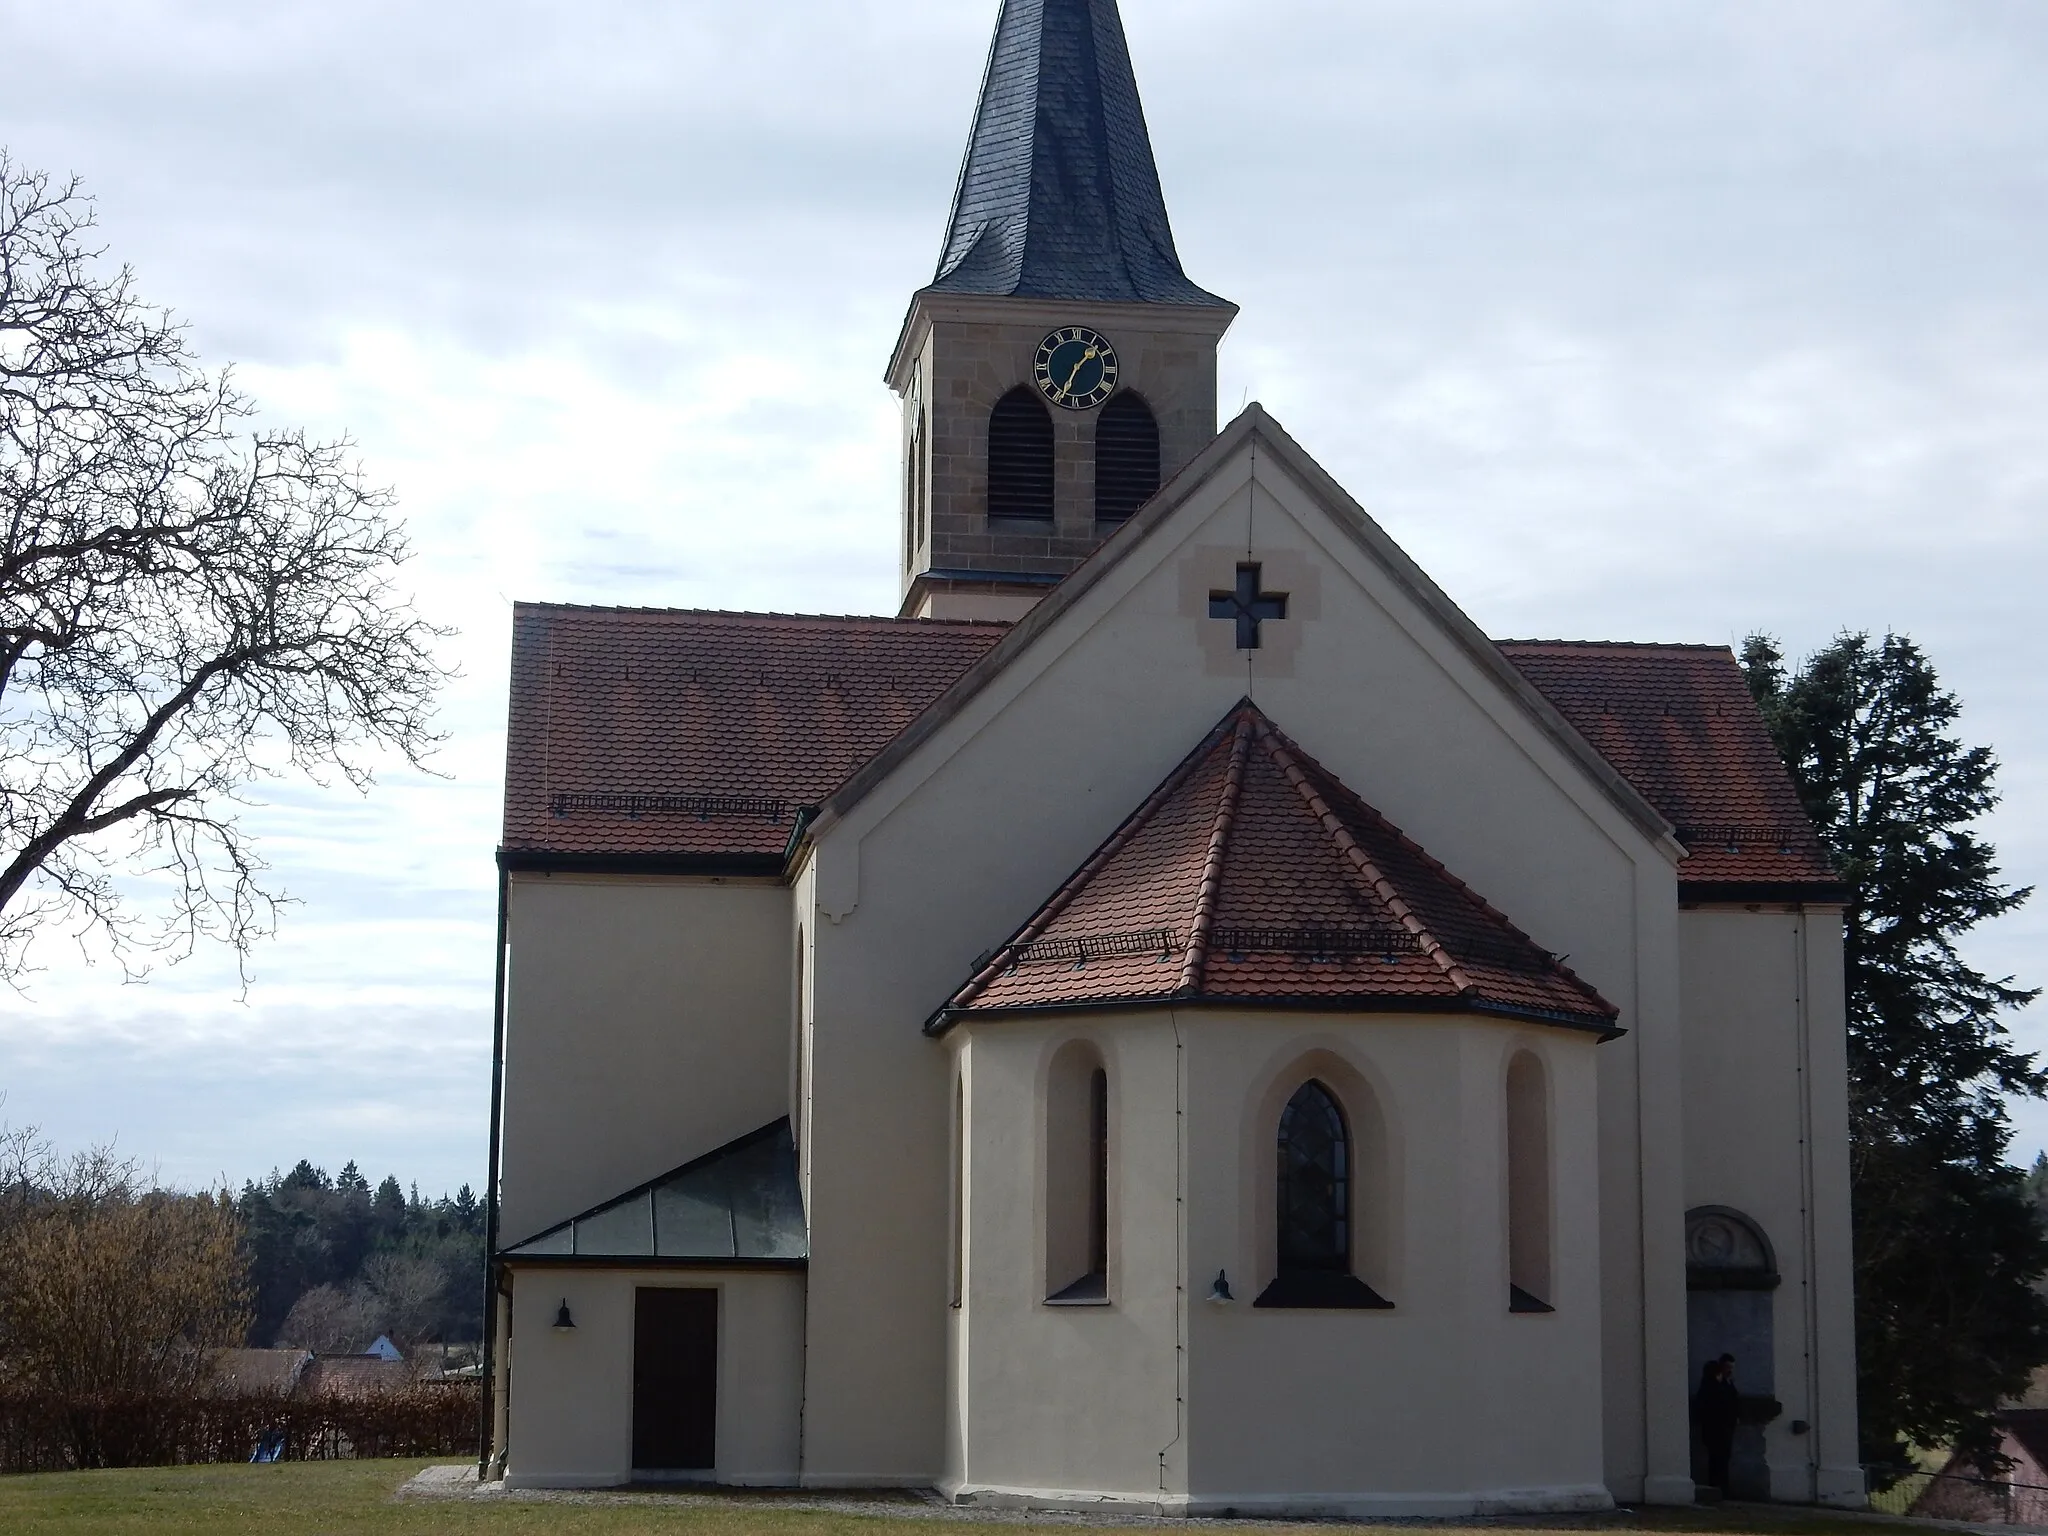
{"type": "Point", "coordinates": [345, 1497]}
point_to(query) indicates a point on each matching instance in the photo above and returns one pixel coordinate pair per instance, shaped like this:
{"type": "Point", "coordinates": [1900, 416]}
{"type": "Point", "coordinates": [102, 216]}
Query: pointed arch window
{"type": "Point", "coordinates": [1315, 1183]}
{"type": "Point", "coordinates": [1126, 458]}
{"type": "Point", "coordinates": [1020, 458]}
{"type": "Point", "coordinates": [1313, 1207]}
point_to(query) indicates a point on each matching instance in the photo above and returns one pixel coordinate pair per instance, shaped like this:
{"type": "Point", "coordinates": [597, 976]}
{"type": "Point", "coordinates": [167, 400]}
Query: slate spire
{"type": "Point", "coordinates": [1059, 195]}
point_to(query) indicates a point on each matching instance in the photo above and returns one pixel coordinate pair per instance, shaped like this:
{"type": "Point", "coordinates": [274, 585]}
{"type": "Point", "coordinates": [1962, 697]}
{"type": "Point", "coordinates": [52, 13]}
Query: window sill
{"type": "Point", "coordinates": [1523, 1304]}
{"type": "Point", "coordinates": [1322, 1290]}
{"type": "Point", "coordinates": [1088, 1291]}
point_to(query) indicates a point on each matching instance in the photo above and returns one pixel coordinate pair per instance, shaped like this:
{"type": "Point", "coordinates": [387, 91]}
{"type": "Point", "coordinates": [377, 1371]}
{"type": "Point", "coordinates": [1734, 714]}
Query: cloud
{"type": "Point", "coordinates": [1629, 320]}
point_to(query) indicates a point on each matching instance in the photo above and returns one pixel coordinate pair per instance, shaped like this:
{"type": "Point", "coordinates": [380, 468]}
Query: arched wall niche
{"type": "Point", "coordinates": [1375, 1158]}
{"type": "Point", "coordinates": [1077, 1154]}
{"type": "Point", "coordinates": [1731, 1276]}
{"type": "Point", "coordinates": [1528, 1171]}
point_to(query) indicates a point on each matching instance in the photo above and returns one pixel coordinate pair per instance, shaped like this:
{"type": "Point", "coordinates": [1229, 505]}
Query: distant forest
{"type": "Point", "coordinates": [334, 1263]}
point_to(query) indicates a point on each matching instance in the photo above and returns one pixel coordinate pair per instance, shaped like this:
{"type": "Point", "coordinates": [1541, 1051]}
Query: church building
{"type": "Point", "coordinates": [1175, 1017]}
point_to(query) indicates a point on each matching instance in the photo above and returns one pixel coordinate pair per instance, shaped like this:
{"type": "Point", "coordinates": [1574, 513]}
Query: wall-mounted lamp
{"type": "Point", "coordinates": [564, 1323]}
{"type": "Point", "coordinates": [1220, 1291]}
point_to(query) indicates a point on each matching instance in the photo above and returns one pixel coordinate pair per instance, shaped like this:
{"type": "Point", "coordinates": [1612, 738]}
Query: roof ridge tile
{"type": "Point", "coordinates": [1284, 877]}
{"type": "Point", "coordinates": [1196, 964]}
{"type": "Point", "coordinates": [1290, 766]}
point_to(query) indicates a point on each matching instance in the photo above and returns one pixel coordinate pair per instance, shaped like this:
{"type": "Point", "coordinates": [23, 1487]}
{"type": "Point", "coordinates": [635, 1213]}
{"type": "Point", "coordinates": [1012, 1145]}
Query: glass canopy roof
{"type": "Point", "coordinates": [740, 1202]}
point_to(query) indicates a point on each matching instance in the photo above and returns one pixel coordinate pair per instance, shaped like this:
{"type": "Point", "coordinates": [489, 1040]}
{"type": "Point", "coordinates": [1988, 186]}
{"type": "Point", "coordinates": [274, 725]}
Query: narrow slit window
{"type": "Point", "coordinates": [1528, 1186]}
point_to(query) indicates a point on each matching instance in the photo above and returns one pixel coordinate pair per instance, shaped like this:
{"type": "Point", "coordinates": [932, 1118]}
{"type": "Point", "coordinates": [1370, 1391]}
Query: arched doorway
{"type": "Point", "coordinates": [1730, 1277]}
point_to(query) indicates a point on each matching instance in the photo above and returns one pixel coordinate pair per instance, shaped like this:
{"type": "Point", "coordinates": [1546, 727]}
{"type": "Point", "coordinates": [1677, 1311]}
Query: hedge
{"type": "Point", "coordinates": [50, 1435]}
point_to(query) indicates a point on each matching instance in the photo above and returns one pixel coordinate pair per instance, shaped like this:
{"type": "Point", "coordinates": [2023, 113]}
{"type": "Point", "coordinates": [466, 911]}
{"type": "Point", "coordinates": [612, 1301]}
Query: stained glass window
{"type": "Point", "coordinates": [1315, 1183]}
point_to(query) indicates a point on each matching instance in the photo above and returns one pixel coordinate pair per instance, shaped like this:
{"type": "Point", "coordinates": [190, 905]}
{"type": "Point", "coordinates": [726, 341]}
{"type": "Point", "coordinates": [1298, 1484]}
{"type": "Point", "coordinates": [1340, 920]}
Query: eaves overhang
{"type": "Point", "coordinates": [735, 866]}
{"type": "Point", "coordinates": [643, 1261]}
{"type": "Point", "coordinates": [1802, 893]}
{"type": "Point", "coordinates": [946, 1019]}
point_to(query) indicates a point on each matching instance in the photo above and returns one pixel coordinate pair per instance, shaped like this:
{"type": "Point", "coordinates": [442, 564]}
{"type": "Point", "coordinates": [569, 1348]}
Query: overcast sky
{"type": "Point", "coordinates": [1636, 320]}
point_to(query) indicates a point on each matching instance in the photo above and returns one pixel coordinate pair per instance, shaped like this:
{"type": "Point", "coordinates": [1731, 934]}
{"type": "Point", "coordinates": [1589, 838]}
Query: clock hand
{"type": "Point", "coordinates": [1086, 358]}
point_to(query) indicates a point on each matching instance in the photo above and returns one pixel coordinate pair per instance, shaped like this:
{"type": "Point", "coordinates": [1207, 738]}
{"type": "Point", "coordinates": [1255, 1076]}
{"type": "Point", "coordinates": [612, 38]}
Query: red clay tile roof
{"type": "Point", "coordinates": [1253, 875]}
{"type": "Point", "coordinates": [1679, 724]}
{"type": "Point", "coordinates": [671, 732]}
{"type": "Point", "coordinates": [664, 733]}
{"type": "Point", "coordinates": [355, 1376]}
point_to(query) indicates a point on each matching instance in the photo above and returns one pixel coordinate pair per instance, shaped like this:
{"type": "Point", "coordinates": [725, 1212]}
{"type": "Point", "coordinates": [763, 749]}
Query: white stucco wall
{"type": "Point", "coordinates": [570, 1409]}
{"type": "Point", "coordinates": [1066, 1402]}
{"type": "Point", "coordinates": [972, 833]}
{"type": "Point", "coordinates": [1445, 1404]}
{"type": "Point", "coordinates": [647, 1022]}
{"type": "Point", "coordinates": [1766, 1133]}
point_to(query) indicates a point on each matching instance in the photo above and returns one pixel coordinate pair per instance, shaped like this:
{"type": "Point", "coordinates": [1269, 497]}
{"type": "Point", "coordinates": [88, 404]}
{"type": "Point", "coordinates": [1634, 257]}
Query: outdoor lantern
{"type": "Point", "coordinates": [564, 1323]}
{"type": "Point", "coordinates": [1220, 1291]}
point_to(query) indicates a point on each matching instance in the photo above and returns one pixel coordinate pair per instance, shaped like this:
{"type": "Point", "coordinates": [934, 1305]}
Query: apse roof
{"type": "Point", "coordinates": [739, 1204]}
{"type": "Point", "coordinates": [1679, 723]}
{"type": "Point", "coordinates": [1059, 194]}
{"type": "Point", "coordinates": [1252, 876]}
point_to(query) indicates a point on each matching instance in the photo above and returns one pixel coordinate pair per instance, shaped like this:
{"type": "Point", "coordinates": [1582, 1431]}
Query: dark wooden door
{"type": "Point", "coordinates": [675, 1380]}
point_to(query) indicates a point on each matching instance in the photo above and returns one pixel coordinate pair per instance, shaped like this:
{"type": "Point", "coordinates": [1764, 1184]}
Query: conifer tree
{"type": "Point", "coordinates": [1948, 1245]}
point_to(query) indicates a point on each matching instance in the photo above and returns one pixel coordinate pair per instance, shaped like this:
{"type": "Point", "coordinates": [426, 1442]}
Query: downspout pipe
{"type": "Point", "coordinates": [485, 1407]}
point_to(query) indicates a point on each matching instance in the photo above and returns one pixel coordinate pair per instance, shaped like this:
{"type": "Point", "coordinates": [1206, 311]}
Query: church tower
{"type": "Point", "coordinates": [1061, 366]}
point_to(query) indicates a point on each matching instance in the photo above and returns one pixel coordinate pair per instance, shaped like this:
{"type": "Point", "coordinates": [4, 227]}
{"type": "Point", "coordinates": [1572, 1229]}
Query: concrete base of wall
{"type": "Point", "coordinates": [1584, 1499]}
{"type": "Point", "coordinates": [569, 1480]}
{"type": "Point", "coordinates": [1669, 1490]}
{"type": "Point", "coordinates": [1841, 1487]}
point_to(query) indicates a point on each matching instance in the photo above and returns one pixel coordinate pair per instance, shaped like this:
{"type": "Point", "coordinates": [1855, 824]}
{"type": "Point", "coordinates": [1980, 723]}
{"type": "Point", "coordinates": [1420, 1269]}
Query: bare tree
{"type": "Point", "coordinates": [110, 1285]}
{"type": "Point", "coordinates": [328, 1321]}
{"type": "Point", "coordinates": [405, 1291]}
{"type": "Point", "coordinates": [188, 604]}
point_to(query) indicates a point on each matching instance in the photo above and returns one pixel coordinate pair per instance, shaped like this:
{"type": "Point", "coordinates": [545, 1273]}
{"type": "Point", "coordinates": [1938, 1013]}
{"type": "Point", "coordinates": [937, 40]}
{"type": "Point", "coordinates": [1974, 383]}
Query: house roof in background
{"type": "Point", "coordinates": [1678, 722]}
{"type": "Point", "coordinates": [1252, 875]}
{"type": "Point", "coordinates": [1059, 193]}
{"type": "Point", "coordinates": [354, 1376]}
{"type": "Point", "coordinates": [267, 1372]}
{"type": "Point", "coordinates": [665, 732]}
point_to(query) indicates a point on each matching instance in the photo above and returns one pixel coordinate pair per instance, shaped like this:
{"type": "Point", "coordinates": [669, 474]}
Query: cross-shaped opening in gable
{"type": "Point", "coordinates": [1247, 605]}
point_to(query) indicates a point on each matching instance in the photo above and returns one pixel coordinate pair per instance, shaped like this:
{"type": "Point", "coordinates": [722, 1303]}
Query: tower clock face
{"type": "Point", "coordinates": [1076, 368]}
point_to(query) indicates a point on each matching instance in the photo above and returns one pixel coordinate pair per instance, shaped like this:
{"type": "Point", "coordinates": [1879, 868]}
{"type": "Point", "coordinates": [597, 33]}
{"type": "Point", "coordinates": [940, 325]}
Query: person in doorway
{"type": "Point", "coordinates": [1717, 1406]}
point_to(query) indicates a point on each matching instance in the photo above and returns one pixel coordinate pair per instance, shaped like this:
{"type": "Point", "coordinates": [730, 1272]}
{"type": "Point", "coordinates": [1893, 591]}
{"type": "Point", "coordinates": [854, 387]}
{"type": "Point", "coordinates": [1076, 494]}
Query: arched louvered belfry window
{"type": "Point", "coordinates": [1126, 458]}
{"type": "Point", "coordinates": [1020, 458]}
